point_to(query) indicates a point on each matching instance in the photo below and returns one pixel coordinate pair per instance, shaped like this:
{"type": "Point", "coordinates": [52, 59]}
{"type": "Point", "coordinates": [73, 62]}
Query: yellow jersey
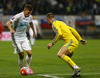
{"type": "Point", "coordinates": [64, 32]}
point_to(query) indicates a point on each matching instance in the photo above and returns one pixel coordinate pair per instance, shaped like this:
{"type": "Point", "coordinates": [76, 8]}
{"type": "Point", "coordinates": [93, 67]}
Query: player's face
{"type": "Point", "coordinates": [49, 22]}
{"type": "Point", "coordinates": [27, 13]}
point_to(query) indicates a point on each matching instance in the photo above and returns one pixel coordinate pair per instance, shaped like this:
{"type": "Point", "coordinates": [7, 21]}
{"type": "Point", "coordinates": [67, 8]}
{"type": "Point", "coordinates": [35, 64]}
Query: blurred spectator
{"type": "Point", "coordinates": [98, 7]}
{"type": "Point", "coordinates": [53, 2]}
{"type": "Point", "coordinates": [1, 30]}
{"type": "Point", "coordinates": [74, 10]}
{"type": "Point", "coordinates": [61, 8]}
{"type": "Point", "coordinates": [79, 8]}
{"type": "Point", "coordinates": [1, 9]}
{"type": "Point", "coordinates": [68, 10]}
{"type": "Point", "coordinates": [84, 5]}
{"type": "Point", "coordinates": [91, 8]}
{"type": "Point", "coordinates": [95, 8]}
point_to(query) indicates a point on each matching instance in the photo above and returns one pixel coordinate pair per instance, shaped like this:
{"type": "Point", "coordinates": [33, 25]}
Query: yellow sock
{"type": "Point", "coordinates": [68, 60]}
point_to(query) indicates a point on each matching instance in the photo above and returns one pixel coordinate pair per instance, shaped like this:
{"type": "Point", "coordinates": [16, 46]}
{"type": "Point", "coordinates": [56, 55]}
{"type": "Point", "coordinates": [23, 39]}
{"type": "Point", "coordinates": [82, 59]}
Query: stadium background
{"type": "Point", "coordinates": [83, 15]}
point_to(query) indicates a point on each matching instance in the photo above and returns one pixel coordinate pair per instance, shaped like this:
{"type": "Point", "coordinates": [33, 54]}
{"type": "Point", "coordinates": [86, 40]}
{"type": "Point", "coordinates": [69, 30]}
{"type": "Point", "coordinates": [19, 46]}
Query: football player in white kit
{"type": "Point", "coordinates": [18, 34]}
{"type": "Point", "coordinates": [37, 30]}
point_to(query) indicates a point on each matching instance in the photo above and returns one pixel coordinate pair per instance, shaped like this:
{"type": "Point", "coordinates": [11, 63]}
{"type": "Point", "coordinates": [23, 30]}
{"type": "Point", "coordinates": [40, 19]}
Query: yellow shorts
{"type": "Point", "coordinates": [71, 46]}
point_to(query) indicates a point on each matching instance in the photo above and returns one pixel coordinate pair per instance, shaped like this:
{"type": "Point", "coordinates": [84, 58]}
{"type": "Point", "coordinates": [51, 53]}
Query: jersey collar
{"type": "Point", "coordinates": [53, 20]}
{"type": "Point", "coordinates": [23, 14]}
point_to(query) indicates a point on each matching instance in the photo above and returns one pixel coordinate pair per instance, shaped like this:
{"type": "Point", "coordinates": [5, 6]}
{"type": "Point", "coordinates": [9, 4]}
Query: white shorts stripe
{"type": "Point", "coordinates": [14, 44]}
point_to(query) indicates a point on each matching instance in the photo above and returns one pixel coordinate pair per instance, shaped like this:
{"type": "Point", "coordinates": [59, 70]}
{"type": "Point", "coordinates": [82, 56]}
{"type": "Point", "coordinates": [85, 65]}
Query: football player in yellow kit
{"type": "Point", "coordinates": [69, 35]}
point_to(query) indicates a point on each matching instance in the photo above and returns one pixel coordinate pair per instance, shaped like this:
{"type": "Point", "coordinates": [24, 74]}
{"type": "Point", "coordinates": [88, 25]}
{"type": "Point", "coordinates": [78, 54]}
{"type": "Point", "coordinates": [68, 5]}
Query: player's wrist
{"type": "Point", "coordinates": [52, 43]}
{"type": "Point", "coordinates": [81, 40]}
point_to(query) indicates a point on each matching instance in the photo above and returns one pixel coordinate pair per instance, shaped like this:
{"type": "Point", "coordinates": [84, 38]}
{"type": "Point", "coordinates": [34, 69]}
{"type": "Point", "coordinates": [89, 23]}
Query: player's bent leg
{"type": "Point", "coordinates": [28, 60]}
{"type": "Point", "coordinates": [63, 53]}
{"type": "Point", "coordinates": [20, 60]}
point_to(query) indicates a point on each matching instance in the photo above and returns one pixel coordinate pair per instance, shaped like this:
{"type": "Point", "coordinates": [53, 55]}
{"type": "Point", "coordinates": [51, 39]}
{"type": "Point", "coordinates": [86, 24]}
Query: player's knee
{"type": "Point", "coordinates": [21, 55]}
{"type": "Point", "coordinates": [59, 55]}
{"type": "Point", "coordinates": [29, 54]}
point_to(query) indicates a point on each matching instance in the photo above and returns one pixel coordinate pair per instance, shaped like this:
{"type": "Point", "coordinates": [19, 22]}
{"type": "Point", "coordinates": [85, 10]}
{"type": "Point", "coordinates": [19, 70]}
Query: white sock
{"type": "Point", "coordinates": [20, 62]}
{"type": "Point", "coordinates": [28, 60]}
{"type": "Point", "coordinates": [75, 66]}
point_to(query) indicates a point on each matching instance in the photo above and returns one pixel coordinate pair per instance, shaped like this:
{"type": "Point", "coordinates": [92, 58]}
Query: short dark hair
{"type": "Point", "coordinates": [29, 7]}
{"type": "Point", "coordinates": [50, 15]}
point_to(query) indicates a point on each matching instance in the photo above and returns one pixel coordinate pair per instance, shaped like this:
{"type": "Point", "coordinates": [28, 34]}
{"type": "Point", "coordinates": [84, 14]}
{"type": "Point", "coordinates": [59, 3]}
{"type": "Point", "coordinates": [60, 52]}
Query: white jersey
{"type": "Point", "coordinates": [20, 23]}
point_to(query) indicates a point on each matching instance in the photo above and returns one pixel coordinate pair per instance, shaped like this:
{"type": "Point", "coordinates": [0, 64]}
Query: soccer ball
{"type": "Point", "coordinates": [25, 71]}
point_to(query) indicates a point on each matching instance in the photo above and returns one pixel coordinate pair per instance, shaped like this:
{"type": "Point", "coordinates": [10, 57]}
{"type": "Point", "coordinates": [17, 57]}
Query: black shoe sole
{"type": "Point", "coordinates": [75, 75]}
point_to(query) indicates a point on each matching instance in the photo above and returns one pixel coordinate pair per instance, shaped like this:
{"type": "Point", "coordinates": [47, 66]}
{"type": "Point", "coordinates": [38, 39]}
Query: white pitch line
{"type": "Point", "coordinates": [56, 75]}
{"type": "Point", "coordinates": [50, 76]}
{"type": "Point", "coordinates": [81, 74]}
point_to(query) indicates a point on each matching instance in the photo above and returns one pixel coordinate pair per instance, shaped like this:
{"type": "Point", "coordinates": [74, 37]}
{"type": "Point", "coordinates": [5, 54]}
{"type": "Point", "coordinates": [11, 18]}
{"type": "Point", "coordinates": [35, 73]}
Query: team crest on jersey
{"type": "Point", "coordinates": [12, 18]}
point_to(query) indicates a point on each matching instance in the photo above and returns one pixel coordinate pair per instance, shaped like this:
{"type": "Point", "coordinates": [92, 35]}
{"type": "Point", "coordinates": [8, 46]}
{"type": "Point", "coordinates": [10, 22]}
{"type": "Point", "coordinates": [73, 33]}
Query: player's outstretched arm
{"type": "Point", "coordinates": [75, 33]}
{"type": "Point", "coordinates": [10, 28]}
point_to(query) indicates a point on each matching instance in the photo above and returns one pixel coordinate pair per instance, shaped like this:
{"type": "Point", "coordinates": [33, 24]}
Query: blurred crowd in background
{"type": "Point", "coordinates": [83, 15]}
{"type": "Point", "coordinates": [59, 7]}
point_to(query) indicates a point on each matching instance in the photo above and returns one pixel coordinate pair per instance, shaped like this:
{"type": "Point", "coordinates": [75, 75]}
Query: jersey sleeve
{"type": "Point", "coordinates": [58, 32]}
{"type": "Point", "coordinates": [14, 18]}
{"type": "Point", "coordinates": [31, 18]}
{"type": "Point", "coordinates": [75, 33]}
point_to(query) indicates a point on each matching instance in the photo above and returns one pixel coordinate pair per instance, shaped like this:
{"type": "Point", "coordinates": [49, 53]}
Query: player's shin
{"type": "Point", "coordinates": [20, 62]}
{"type": "Point", "coordinates": [69, 61]}
{"type": "Point", "coordinates": [28, 60]}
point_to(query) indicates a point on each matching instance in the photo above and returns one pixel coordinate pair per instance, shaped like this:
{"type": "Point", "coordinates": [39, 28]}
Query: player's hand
{"type": "Point", "coordinates": [34, 35]}
{"type": "Point", "coordinates": [49, 45]}
{"type": "Point", "coordinates": [84, 42]}
{"type": "Point", "coordinates": [12, 31]}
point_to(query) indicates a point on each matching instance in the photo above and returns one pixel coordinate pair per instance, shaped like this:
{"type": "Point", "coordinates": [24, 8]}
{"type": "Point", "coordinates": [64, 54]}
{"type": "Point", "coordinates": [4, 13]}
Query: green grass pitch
{"type": "Point", "coordinates": [46, 64]}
